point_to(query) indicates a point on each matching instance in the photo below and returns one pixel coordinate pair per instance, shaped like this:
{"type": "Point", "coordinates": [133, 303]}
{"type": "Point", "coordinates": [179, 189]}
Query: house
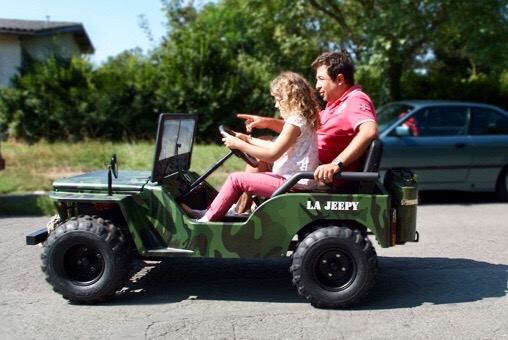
{"type": "Point", "coordinates": [38, 39]}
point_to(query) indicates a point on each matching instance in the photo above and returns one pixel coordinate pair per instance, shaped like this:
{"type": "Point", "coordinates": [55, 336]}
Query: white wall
{"type": "Point", "coordinates": [37, 47]}
{"type": "Point", "coordinates": [10, 58]}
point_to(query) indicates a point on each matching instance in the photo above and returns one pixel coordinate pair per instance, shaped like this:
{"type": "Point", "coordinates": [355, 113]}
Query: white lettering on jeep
{"type": "Point", "coordinates": [333, 205]}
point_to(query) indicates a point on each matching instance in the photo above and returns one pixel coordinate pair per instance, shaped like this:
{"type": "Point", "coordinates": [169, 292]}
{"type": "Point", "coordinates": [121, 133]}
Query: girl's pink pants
{"type": "Point", "coordinates": [261, 184]}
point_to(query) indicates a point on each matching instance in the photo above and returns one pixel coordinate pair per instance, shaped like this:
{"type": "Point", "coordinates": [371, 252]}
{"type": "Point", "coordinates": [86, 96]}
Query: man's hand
{"type": "Point", "coordinates": [253, 121]}
{"type": "Point", "coordinates": [324, 173]}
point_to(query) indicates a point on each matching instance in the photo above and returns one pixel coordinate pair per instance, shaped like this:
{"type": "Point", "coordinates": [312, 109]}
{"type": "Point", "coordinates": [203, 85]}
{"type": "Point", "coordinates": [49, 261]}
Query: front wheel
{"type": "Point", "coordinates": [86, 259]}
{"type": "Point", "coordinates": [334, 267]}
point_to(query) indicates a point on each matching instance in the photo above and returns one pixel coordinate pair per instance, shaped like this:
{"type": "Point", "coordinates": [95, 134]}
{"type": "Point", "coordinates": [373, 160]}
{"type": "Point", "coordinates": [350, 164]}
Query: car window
{"type": "Point", "coordinates": [485, 121]}
{"type": "Point", "coordinates": [389, 113]}
{"type": "Point", "coordinates": [438, 121]}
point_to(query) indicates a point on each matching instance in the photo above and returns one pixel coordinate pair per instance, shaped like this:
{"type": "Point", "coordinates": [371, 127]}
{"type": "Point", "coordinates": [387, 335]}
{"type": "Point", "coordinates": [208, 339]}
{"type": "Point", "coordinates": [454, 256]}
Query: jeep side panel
{"type": "Point", "coordinates": [268, 232]}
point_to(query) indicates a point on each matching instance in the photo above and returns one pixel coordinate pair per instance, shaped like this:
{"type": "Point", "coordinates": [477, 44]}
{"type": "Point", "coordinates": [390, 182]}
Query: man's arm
{"type": "Point", "coordinates": [260, 122]}
{"type": "Point", "coordinates": [367, 132]}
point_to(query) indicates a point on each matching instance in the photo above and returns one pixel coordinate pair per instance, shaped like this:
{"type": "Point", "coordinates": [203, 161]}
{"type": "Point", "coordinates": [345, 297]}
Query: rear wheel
{"type": "Point", "coordinates": [334, 267]}
{"type": "Point", "coordinates": [86, 259]}
{"type": "Point", "coordinates": [502, 185]}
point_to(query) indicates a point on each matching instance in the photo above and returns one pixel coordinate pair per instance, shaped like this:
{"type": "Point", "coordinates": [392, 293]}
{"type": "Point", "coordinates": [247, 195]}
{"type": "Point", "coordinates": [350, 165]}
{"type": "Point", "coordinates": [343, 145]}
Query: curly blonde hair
{"type": "Point", "coordinates": [297, 97]}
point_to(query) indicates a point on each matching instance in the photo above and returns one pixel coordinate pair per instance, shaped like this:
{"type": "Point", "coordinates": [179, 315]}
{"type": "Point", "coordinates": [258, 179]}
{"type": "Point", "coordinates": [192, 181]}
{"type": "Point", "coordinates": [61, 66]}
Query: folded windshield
{"type": "Point", "coordinates": [173, 149]}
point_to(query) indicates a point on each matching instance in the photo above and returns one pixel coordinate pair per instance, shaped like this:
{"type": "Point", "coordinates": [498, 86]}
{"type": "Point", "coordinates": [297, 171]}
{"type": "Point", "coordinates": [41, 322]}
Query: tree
{"type": "Point", "coordinates": [65, 98]}
{"type": "Point", "coordinates": [127, 106]}
{"type": "Point", "coordinates": [220, 60]}
{"type": "Point", "coordinates": [50, 101]}
{"type": "Point", "coordinates": [393, 37]}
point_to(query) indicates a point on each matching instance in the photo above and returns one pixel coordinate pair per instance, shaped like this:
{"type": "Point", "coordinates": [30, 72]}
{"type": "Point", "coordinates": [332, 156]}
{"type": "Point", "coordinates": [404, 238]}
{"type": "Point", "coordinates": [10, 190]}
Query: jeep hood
{"type": "Point", "coordinates": [97, 181]}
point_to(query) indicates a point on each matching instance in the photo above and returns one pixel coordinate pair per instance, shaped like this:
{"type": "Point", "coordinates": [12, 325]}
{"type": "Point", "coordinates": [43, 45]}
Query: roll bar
{"type": "Point", "coordinates": [348, 175]}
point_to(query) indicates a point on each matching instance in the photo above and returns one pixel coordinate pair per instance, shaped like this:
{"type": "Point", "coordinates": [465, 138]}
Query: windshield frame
{"type": "Point", "coordinates": [173, 147]}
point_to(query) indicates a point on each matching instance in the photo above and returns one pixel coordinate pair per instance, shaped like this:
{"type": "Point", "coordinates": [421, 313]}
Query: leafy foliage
{"type": "Point", "coordinates": [218, 59]}
{"type": "Point", "coordinates": [392, 38]}
{"type": "Point", "coordinates": [126, 106]}
{"type": "Point", "coordinates": [220, 62]}
{"type": "Point", "coordinates": [51, 101]}
{"type": "Point", "coordinates": [66, 99]}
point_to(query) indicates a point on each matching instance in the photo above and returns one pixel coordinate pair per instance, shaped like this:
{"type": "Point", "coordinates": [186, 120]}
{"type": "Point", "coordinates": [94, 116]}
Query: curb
{"type": "Point", "coordinates": [35, 203]}
{"type": "Point", "coordinates": [22, 196]}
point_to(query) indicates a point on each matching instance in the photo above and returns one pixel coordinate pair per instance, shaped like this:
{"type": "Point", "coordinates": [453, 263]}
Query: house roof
{"type": "Point", "coordinates": [44, 28]}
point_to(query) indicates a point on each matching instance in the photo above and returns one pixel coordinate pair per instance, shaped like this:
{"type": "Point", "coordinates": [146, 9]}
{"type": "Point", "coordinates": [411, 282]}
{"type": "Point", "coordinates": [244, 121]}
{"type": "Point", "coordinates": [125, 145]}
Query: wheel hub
{"type": "Point", "coordinates": [335, 269]}
{"type": "Point", "coordinates": [83, 263]}
{"type": "Point", "coordinates": [334, 265]}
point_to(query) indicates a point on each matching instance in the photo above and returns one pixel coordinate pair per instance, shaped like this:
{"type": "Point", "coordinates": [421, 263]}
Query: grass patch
{"type": "Point", "coordinates": [31, 168]}
{"type": "Point", "coordinates": [34, 167]}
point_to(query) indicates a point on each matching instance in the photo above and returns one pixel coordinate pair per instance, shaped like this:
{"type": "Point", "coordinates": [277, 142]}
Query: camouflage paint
{"type": "Point", "coordinates": [153, 215]}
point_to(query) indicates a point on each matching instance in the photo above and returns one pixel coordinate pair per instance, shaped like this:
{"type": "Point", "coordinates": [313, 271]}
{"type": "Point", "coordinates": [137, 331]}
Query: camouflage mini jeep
{"type": "Point", "coordinates": [105, 218]}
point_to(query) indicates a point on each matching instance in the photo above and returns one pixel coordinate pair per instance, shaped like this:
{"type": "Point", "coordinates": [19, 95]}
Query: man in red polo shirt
{"type": "Point", "coordinates": [348, 122]}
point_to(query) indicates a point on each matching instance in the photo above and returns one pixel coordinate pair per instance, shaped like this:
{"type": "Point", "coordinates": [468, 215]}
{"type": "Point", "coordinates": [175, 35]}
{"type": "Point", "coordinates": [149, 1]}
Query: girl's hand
{"type": "Point", "coordinates": [231, 141]}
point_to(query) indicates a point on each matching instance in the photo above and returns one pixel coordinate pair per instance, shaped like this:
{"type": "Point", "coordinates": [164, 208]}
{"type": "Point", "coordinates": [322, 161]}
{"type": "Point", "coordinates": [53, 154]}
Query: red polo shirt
{"type": "Point", "coordinates": [339, 121]}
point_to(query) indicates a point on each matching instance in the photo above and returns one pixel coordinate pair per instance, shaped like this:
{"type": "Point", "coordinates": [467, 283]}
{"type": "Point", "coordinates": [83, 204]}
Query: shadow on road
{"type": "Point", "coordinates": [178, 279]}
{"type": "Point", "coordinates": [402, 282]}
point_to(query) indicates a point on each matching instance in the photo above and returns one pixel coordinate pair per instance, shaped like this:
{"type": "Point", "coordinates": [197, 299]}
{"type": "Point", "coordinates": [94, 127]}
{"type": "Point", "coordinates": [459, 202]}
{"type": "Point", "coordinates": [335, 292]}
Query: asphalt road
{"type": "Point", "coordinates": [450, 285]}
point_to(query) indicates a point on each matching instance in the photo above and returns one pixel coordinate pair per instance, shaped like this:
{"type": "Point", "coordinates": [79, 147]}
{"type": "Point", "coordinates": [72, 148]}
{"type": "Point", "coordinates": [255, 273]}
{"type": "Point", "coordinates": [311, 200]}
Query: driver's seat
{"type": "Point", "coordinates": [372, 162]}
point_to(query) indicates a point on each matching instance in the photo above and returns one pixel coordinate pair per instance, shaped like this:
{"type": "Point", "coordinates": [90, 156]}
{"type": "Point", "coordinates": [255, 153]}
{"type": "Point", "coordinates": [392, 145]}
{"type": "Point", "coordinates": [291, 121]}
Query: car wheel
{"type": "Point", "coordinates": [86, 259]}
{"type": "Point", "coordinates": [502, 185]}
{"type": "Point", "coordinates": [334, 267]}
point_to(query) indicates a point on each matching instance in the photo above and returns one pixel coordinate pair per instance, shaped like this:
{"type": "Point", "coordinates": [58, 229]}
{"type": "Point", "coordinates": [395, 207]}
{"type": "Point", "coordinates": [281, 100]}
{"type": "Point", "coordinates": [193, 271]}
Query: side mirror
{"type": "Point", "coordinates": [114, 166]}
{"type": "Point", "coordinates": [112, 171]}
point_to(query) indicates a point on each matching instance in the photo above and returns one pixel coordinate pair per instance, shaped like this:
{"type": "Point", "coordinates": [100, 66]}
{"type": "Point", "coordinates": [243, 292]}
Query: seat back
{"type": "Point", "coordinates": [372, 162]}
{"type": "Point", "coordinates": [373, 156]}
{"type": "Point", "coordinates": [363, 181]}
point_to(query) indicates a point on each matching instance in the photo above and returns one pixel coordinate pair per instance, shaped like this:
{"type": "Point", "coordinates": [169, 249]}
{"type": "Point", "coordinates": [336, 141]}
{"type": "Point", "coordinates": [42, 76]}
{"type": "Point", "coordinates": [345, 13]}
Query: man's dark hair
{"type": "Point", "coordinates": [338, 62]}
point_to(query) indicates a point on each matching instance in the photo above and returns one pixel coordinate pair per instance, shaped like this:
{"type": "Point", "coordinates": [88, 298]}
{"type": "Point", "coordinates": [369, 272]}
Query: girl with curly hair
{"type": "Point", "coordinates": [294, 150]}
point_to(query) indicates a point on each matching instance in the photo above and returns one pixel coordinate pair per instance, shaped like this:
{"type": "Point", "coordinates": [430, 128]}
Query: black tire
{"type": "Point", "coordinates": [86, 259]}
{"type": "Point", "coordinates": [502, 185]}
{"type": "Point", "coordinates": [334, 267]}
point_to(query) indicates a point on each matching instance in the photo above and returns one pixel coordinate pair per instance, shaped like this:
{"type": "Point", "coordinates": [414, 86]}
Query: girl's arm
{"type": "Point", "coordinates": [261, 142]}
{"type": "Point", "coordinates": [268, 152]}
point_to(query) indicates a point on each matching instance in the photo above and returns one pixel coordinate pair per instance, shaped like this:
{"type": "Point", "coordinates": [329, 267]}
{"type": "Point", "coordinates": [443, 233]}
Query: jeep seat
{"type": "Point", "coordinates": [365, 179]}
{"type": "Point", "coordinates": [371, 164]}
{"type": "Point", "coordinates": [373, 156]}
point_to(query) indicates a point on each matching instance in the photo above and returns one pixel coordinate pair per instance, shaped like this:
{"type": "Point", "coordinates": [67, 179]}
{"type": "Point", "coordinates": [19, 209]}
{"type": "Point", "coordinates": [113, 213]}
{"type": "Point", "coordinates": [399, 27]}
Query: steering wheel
{"type": "Point", "coordinates": [253, 162]}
